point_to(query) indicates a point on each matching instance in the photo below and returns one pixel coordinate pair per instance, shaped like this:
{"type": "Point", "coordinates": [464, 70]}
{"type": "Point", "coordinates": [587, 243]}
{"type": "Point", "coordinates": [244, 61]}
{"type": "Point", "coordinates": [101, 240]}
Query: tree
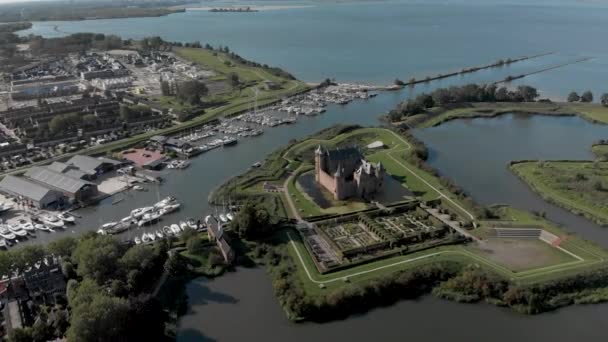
{"type": "Point", "coordinates": [502, 94]}
{"type": "Point", "coordinates": [28, 256]}
{"type": "Point", "coordinates": [598, 185]}
{"type": "Point", "coordinates": [192, 91]}
{"type": "Point", "coordinates": [234, 80]}
{"type": "Point", "coordinates": [573, 97]}
{"type": "Point", "coordinates": [63, 247]}
{"type": "Point", "coordinates": [97, 258]}
{"type": "Point", "coordinates": [126, 113]}
{"type": "Point", "coordinates": [21, 335]}
{"type": "Point", "coordinates": [165, 88]}
{"type": "Point", "coordinates": [195, 244]}
{"type": "Point", "coordinates": [587, 96]}
{"type": "Point", "coordinates": [252, 221]}
{"type": "Point", "coordinates": [58, 124]}
{"type": "Point", "coordinates": [604, 99]}
{"type": "Point", "coordinates": [104, 318]}
{"type": "Point", "coordinates": [529, 94]}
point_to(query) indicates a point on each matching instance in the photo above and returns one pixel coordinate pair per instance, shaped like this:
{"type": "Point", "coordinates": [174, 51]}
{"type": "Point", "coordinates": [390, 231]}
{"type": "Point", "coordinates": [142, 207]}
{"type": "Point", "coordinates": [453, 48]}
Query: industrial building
{"type": "Point", "coordinates": [38, 195]}
{"type": "Point", "coordinates": [77, 190]}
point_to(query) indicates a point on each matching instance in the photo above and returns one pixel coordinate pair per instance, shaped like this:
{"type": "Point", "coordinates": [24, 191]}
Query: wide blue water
{"type": "Point", "coordinates": [381, 40]}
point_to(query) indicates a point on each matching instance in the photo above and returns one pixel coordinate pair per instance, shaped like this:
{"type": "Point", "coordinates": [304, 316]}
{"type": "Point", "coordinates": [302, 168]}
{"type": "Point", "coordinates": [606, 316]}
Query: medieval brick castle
{"type": "Point", "coordinates": [345, 173]}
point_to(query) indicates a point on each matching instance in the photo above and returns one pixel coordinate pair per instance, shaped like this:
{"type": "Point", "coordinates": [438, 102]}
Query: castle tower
{"type": "Point", "coordinates": [338, 182]}
{"type": "Point", "coordinates": [319, 163]}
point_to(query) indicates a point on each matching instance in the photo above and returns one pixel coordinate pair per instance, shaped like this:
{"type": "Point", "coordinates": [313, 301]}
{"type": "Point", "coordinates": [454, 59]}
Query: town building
{"type": "Point", "coordinates": [77, 190]}
{"type": "Point", "coordinates": [70, 171]}
{"type": "Point", "coordinates": [345, 173]}
{"type": "Point", "coordinates": [39, 196]}
{"type": "Point", "coordinates": [94, 166]}
{"type": "Point", "coordinates": [216, 233]}
{"type": "Point", "coordinates": [145, 158]}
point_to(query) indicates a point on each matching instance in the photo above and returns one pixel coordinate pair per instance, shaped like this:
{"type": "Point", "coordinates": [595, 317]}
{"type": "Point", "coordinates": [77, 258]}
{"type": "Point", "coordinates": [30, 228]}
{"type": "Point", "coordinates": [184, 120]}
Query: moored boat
{"type": "Point", "coordinates": [175, 229]}
{"type": "Point", "coordinates": [183, 225]}
{"type": "Point", "coordinates": [7, 234]}
{"type": "Point", "coordinates": [192, 223]}
{"type": "Point", "coordinates": [139, 212]}
{"type": "Point", "coordinates": [145, 238]}
{"type": "Point", "coordinates": [17, 231]}
{"type": "Point", "coordinates": [27, 226]}
{"type": "Point", "coordinates": [43, 227]}
{"type": "Point", "coordinates": [169, 208]}
{"type": "Point", "coordinates": [52, 221]}
{"type": "Point", "coordinates": [67, 218]}
{"type": "Point", "coordinates": [149, 218]}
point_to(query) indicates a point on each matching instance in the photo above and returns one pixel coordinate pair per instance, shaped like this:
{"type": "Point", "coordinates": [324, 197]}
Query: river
{"type": "Point", "coordinates": [377, 42]}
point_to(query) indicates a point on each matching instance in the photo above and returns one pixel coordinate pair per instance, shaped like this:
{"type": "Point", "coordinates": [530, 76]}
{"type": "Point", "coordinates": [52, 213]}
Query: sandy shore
{"type": "Point", "coordinates": [256, 8]}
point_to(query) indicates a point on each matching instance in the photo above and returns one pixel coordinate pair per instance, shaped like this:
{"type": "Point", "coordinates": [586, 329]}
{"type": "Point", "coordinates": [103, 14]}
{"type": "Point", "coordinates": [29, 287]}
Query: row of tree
{"type": "Point", "coordinates": [462, 94]}
{"type": "Point", "coordinates": [587, 97]}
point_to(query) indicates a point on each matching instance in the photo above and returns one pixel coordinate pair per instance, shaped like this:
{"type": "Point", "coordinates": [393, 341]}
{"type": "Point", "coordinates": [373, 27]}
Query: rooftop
{"type": "Point", "coordinates": [56, 179]}
{"type": "Point", "coordinates": [142, 157]}
{"type": "Point", "coordinates": [23, 187]}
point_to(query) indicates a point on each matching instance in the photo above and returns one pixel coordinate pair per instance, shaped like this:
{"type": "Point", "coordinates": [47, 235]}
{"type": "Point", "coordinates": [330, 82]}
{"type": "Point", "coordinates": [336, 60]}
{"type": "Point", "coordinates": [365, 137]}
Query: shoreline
{"type": "Point", "coordinates": [495, 109]}
{"type": "Point", "coordinates": [257, 8]}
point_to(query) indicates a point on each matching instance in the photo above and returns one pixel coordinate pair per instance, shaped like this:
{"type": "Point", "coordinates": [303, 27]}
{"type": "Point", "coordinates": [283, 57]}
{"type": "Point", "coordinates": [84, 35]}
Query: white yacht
{"type": "Point", "coordinates": [27, 226]}
{"type": "Point", "coordinates": [42, 227]}
{"type": "Point", "coordinates": [183, 225]}
{"type": "Point", "coordinates": [52, 221]}
{"type": "Point", "coordinates": [169, 208]}
{"type": "Point", "coordinates": [65, 217]}
{"type": "Point", "coordinates": [17, 231]}
{"type": "Point", "coordinates": [7, 234]}
{"type": "Point", "coordinates": [167, 231]}
{"type": "Point", "coordinates": [149, 218]}
{"type": "Point", "coordinates": [139, 212]}
{"type": "Point", "coordinates": [175, 229]}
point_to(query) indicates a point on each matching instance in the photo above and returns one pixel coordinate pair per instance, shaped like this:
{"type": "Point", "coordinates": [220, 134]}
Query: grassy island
{"type": "Point", "coordinates": [486, 100]}
{"type": "Point", "coordinates": [352, 255]}
{"type": "Point", "coordinates": [589, 111]}
{"type": "Point", "coordinates": [579, 186]}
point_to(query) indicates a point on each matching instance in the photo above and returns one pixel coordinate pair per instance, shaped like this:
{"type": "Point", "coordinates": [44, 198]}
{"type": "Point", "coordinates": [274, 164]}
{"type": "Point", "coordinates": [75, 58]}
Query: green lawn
{"type": "Point", "coordinates": [393, 157]}
{"type": "Point", "coordinates": [581, 187]}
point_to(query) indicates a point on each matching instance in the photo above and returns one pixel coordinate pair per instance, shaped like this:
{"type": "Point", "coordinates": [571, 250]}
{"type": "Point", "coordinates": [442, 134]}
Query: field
{"type": "Point", "coordinates": [601, 151]}
{"type": "Point", "coordinates": [589, 111]}
{"type": "Point", "coordinates": [581, 187]}
{"type": "Point", "coordinates": [521, 254]}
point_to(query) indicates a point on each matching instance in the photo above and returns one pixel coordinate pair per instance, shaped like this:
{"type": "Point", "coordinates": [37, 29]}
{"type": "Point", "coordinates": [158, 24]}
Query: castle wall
{"type": "Point", "coordinates": [327, 181]}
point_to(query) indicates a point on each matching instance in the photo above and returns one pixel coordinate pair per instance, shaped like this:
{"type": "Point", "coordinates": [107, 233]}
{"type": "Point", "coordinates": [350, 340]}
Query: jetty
{"type": "Point", "coordinates": [501, 62]}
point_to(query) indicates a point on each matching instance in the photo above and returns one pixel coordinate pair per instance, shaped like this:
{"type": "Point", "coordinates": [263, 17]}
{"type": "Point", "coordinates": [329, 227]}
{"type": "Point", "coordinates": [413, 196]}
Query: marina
{"type": "Point", "coordinates": [215, 305]}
